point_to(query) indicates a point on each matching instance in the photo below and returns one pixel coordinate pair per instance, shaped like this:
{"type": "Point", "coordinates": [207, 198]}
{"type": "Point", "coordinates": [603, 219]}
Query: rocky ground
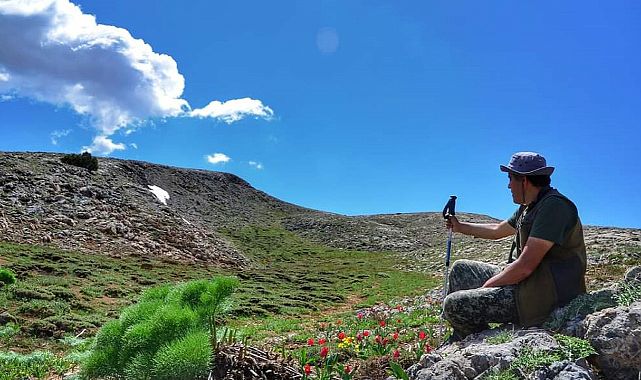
{"type": "Point", "coordinates": [614, 331]}
{"type": "Point", "coordinates": [113, 212]}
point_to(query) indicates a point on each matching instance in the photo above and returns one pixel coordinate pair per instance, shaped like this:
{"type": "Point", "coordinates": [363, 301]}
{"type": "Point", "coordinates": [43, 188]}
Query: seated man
{"type": "Point", "coordinates": [550, 262]}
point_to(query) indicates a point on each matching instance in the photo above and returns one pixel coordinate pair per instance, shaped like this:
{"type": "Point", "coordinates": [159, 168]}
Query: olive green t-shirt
{"type": "Point", "coordinates": [554, 220]}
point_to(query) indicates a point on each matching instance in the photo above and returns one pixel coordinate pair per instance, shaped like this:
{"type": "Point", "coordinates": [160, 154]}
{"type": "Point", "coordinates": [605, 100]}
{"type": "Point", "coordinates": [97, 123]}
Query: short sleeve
{"type": "Point", "coordinates": [554, 220]}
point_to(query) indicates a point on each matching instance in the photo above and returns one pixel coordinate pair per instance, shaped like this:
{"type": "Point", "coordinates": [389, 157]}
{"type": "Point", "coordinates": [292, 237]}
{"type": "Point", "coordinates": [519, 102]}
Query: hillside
{"type": "Point", "coordinates": [85, 245]}
{"type": "Point", "coordinates": [113, 212]}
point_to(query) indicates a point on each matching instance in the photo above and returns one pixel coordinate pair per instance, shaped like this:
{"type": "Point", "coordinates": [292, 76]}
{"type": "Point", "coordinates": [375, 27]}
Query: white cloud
{"type": "Point", "coordinates": [134, 145]}
{"type": "Point", "coordinates": [52, 52]}
{"type": "Point", "coordinates": [102, 145]}
{"type": "Point", "coordinates": [6, 98]}
{"type": "Point", "coordinates": [234, 110]}
{"type": "Point", "coordinates": [55, 135]}
{"type": "Point", "coordinates": [256, 165]}
{"type": "Point", "coordinates": [217, 158]}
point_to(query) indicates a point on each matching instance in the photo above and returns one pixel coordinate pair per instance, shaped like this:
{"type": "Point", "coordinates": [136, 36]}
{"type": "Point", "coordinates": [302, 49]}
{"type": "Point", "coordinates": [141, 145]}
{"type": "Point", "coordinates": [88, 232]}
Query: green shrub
{"type": "Point", "coordinates": [628, 293]}
{"type": "Point", "coordinates": [167, 335]}
{"type": "Point", "coordinates": [28, 292]}
{"type": "Point", "coordinates": [7, 277]}
{"type": "Point", "coordinates": [574, 348]}
{"type": "Point", "coordinates": [186, 358]}
{"type": "Point", "coordinates": [84, 160]}
{"type": "Point", "coordinates": [43, 308]}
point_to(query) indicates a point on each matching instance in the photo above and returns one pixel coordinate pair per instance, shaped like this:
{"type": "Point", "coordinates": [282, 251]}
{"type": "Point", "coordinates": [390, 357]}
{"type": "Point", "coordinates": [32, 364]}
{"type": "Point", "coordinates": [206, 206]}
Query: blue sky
{"type": "Point", "coordinates": [353, 107]}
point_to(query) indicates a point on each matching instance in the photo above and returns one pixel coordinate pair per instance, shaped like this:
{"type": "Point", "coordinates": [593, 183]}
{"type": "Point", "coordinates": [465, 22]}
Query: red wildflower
{"type": "Point", "coordinates": [365, 333]}
{"type": "Point", "coordinates": [428, 348]}
{"type": "Point", "coordinates": [359, 337]}
{"type": "Point", "coordinates": [399, 307]}
{"type": "Point", "coordinates": [341, 335]}
{"type": "Point", "coordinates": [308, 369]}
{"type": "Point", "coordinates": [382, 323]}
{"type": "Point", "coordinates": [385, 341]}
{"type": "Point", "coordinates": [397, 354]}
{"type": "Point", "coordinates": [398, 321]}
{"type": "Point", "coordinates": [378, 339]}
{"type": "Point", "coordinates": [324, 351]}
{"type": "Point", "coordinates": [339, 322]}
{"type": "Point", "coordinates": [395, 336]}
{"type": "Point", "coordinates": [322, 341]}
{"type": "Point", "coordinates": [310, 341]}
{"type": "Point", "coordinates": [348, 369]}
{"type": "Point", "coordinates": [359, 315]}
{"type": "Point", "coordinates": [421, 335]}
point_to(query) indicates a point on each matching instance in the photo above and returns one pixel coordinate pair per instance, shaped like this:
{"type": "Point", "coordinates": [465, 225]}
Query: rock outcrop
{"type": "Point", "coordinates": [614, 333]}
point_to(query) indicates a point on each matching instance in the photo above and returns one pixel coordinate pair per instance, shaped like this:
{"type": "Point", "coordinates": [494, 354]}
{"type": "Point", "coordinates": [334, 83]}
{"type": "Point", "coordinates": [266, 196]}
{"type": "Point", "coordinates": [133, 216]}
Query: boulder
{"type": "Point", "coordinates": [475, 358]}
{"type": "Point", "coordinates": [633, 276]}
{"type": "Point", "coordinates": [615, 334]}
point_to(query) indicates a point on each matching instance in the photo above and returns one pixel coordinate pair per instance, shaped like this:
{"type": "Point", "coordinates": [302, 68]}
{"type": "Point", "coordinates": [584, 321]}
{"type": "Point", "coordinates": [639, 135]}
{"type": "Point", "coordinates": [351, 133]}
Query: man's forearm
{"type": "Point", "coordinates": [511, 275]}
{"type": "Point", "coordinates": [481, 230]}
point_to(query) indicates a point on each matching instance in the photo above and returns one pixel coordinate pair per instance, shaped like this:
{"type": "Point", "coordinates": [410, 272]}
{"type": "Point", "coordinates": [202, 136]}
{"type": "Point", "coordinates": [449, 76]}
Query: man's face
{"type": "Point", "coordinates": [516, 187]}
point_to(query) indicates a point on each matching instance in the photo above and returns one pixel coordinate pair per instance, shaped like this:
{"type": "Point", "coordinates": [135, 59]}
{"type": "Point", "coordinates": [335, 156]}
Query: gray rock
{"type": "Point", "coordinates": [633, 275]}
{"type": "Point", "coordinates": [564, 370]}
{"type": "Point", "coordinates": [615, 333]}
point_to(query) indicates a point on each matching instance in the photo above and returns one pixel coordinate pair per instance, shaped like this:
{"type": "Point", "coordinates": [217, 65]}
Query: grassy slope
{"type": "Point", "coordinates": [61, 293]}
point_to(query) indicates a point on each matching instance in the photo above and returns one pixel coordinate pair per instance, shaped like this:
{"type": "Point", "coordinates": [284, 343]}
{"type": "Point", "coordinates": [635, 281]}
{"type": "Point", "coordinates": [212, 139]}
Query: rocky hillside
{"type": "Point", "coordinates": [114, 212]}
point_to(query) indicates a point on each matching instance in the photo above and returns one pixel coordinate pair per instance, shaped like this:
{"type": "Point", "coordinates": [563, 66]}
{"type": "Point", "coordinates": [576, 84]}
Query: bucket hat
{"type": "Point", "coordinates": [527, 163]}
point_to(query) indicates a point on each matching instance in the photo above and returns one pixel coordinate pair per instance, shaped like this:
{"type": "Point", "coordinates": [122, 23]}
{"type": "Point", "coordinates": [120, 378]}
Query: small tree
{"type": "Point", "coordinates": [84, 160]}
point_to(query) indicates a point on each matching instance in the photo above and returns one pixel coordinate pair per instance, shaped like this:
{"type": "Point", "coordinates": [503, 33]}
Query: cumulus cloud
{"type": "Point", "coordinates": [52, 52]}
{"type": "Point", "coordinates": [56, 135]}
{"type": "Point", "coordinates": [256, 165]}
{"type": "Point", "coordinates": [217, 158]}
{"type": "Point", "coordinates": [103, 145]}
{"type": "Point", "coordinates": [234, 110]}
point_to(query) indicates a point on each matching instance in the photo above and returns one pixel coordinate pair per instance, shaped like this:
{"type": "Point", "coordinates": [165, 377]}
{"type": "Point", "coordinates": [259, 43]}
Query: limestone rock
{"type": "Point", "coordinates": [615, 333]}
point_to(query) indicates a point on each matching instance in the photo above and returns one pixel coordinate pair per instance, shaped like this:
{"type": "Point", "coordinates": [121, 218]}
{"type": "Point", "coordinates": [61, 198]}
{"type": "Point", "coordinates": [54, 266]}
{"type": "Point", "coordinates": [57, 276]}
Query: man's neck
{"type": "Point", "coordinates": [532, 195]}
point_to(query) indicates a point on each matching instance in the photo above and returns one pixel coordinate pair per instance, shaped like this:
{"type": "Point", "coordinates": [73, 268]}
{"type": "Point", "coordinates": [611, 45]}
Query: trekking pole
{"type": "Point", "coordinates": [448, 211]}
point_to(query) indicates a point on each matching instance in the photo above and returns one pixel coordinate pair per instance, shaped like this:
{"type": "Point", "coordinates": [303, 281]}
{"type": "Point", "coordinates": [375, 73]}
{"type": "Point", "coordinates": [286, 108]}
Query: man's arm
{"type": "Point", "coordinates": [533, 252]}
{"type": "Point", "coordinates": [483, 230]}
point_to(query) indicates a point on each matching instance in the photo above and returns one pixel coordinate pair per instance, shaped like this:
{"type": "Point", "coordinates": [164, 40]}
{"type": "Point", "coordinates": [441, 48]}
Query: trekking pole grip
{"type": "Point", "coordinates": [450, 207]}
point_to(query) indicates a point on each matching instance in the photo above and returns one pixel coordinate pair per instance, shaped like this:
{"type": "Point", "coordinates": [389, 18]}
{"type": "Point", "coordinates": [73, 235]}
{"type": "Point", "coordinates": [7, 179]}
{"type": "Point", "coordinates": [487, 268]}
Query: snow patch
{"type": "Point", "coordinates": [160, 193]}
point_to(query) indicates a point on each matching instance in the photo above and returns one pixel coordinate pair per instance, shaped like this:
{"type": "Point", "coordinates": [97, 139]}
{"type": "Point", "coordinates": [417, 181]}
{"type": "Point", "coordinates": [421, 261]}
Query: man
{"type": "Point", "coordinates": [547, 262]}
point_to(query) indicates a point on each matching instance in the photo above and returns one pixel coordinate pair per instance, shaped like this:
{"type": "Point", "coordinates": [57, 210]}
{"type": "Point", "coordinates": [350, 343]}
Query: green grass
{"type": "Point", "coordinates": [504, 336]}
{"type": "Point", "coordinates": [293, 276]}
{"type": "Point", "coordinates": [291, 281]}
